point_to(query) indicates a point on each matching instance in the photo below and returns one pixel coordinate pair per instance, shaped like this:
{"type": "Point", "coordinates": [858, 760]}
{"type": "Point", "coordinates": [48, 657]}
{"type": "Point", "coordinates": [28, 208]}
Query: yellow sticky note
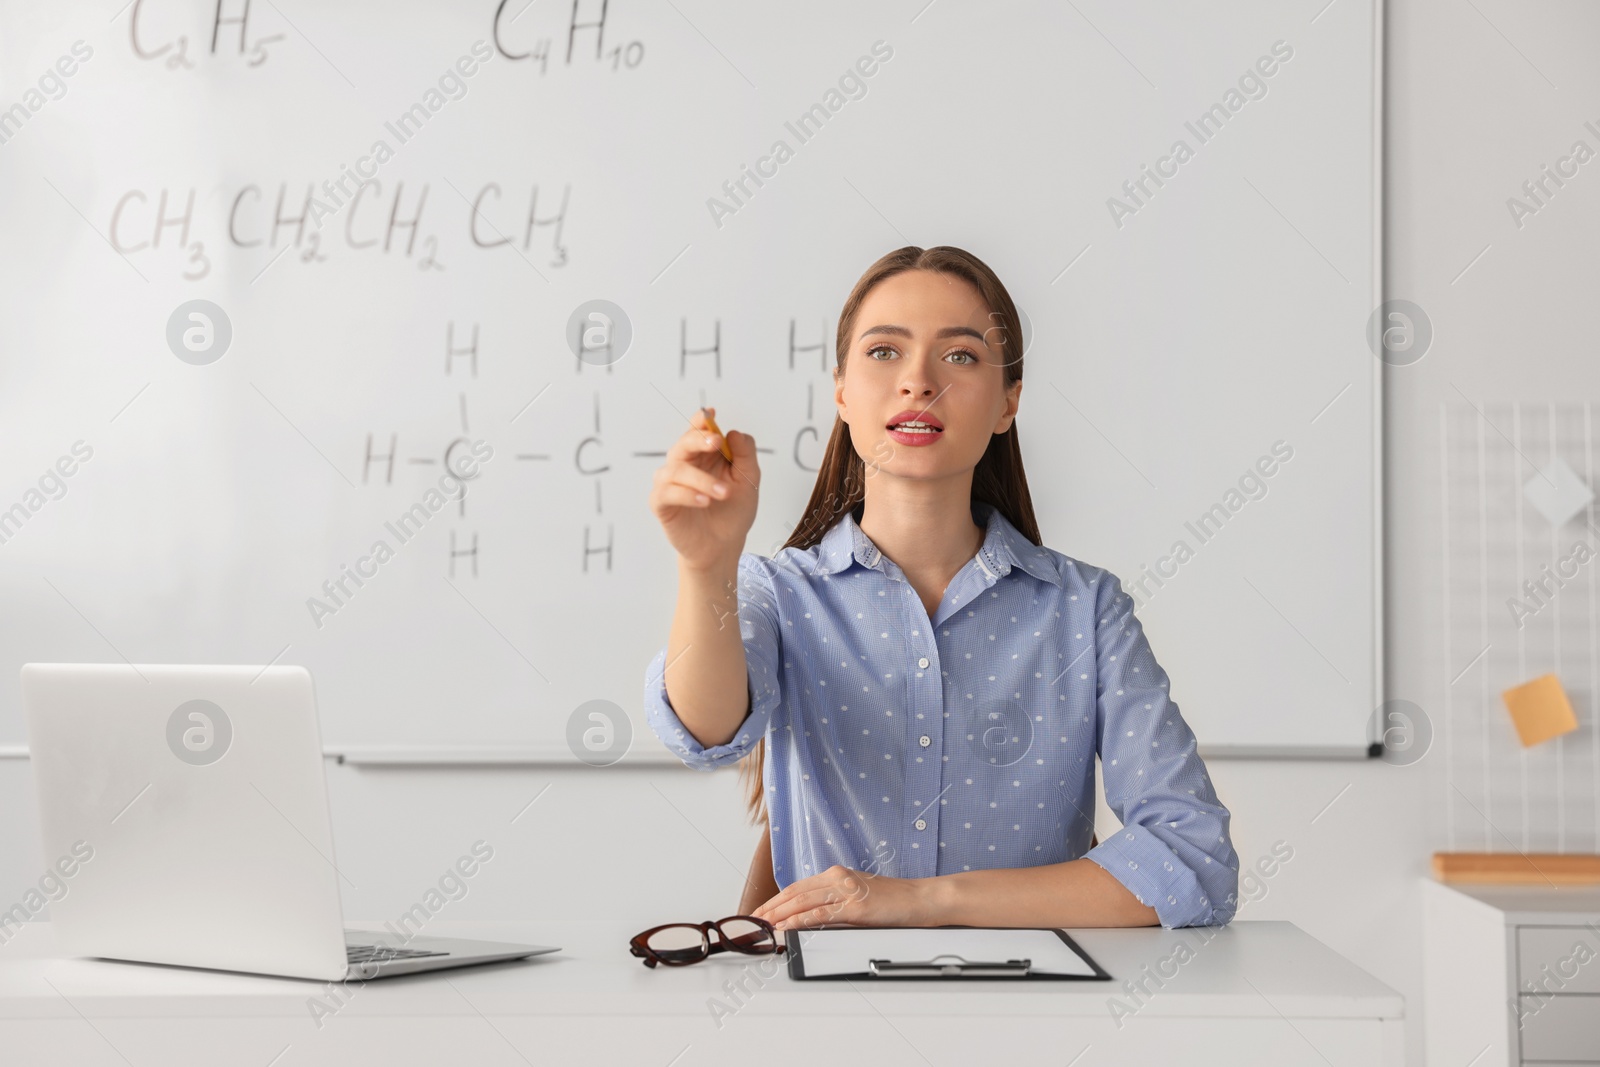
{"type": "Point", "coordinates": [1540, 710]}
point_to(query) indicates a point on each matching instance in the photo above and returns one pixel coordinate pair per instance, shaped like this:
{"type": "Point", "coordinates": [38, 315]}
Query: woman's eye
{"type": "Point", "coordinates": [878, 348]}
{"type": "Point", "coordinates": [963, 352]}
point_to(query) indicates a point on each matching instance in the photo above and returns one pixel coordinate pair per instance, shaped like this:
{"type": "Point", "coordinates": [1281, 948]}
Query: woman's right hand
{"type": "Point", "coordinates": [705, 523]}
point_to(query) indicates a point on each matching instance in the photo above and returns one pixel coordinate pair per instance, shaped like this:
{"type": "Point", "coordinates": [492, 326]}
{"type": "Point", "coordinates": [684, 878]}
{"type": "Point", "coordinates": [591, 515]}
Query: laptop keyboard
{"type": "Point", "coordinates": [383, 953]}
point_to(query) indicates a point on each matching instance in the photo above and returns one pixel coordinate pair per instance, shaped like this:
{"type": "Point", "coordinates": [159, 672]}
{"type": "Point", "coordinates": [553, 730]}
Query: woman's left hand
{"type": "Point", "coordinates": [842, 896]}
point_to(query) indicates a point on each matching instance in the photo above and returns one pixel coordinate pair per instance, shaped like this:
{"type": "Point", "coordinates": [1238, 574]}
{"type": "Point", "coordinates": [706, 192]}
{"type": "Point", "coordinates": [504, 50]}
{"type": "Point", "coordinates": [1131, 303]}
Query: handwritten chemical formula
{"type": "Point", "coordinates": [384, 452]}
{"type": "Point", "coordinates": [366, 221]}
{"type": "Point", "coordinates": [523, 33]}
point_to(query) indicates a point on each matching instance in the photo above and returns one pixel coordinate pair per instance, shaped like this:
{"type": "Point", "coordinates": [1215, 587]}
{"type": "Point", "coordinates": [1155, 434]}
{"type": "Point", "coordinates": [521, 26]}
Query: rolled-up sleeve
{"type": "Point", "coordinates": [1173, 851]}
{"type": "Point", "coordinates": [758, 629]}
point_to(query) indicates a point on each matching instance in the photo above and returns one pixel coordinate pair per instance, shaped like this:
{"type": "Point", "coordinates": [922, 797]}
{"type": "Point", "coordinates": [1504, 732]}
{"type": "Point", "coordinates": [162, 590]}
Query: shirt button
{"type": "Point", "coordinates": [921, 824]}
{"type": "Point", "coordinates": [923, 662]}
{"type": "Point", "coordinates": [924, 740]}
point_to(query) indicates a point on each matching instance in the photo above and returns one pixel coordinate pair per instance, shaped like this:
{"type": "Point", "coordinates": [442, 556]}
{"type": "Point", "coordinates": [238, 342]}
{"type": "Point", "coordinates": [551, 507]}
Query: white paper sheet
{"type": "Point", "coordinates": [847, 950]}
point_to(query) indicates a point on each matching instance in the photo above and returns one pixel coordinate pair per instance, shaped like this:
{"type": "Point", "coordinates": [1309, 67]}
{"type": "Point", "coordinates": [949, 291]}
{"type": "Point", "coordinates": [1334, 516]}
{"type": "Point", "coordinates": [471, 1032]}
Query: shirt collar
{"type": "Point", "coordinates": [1004, 547]}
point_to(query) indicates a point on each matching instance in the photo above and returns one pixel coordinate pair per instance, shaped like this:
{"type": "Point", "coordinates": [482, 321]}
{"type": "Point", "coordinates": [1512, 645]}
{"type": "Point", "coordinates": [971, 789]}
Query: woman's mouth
{"type": "Point", "coordinates": [915, 429]}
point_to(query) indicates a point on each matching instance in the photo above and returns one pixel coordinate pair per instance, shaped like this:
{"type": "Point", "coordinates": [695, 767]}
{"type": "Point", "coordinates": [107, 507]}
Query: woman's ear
{"type": "Point", "coordinates": [838, 394]}
{"type": "Point", "coordinates": [1013, 401]}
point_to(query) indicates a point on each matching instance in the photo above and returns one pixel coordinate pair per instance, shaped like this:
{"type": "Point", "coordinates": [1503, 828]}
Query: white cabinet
{"type": "Point", "coordinates": [1511, 975]}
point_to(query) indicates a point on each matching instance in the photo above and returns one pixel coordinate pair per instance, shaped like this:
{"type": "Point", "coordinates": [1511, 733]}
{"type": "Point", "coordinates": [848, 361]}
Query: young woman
{"type": "Point", "coordinates": [917, 685]}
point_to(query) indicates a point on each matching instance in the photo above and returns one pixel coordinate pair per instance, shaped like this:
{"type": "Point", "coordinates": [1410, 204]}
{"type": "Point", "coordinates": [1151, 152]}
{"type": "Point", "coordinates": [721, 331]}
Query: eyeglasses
{"type": "Point", "coordinates": [679, 944]}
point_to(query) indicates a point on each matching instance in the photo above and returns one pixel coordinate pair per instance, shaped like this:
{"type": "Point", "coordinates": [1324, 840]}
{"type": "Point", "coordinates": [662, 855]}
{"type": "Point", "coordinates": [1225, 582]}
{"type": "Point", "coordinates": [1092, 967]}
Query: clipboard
{"type": "Point", "coordinates": [920, 952]}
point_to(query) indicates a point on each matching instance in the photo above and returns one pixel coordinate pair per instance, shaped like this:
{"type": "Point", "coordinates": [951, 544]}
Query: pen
{"type": "Point", "coordinates": [727, 453]}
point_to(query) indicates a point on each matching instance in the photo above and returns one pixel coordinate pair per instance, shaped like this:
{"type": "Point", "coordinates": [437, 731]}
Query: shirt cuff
{"type": "Point", "coordinates": [669, 728]}
{"type": "Point", "coordinates": [1154, 874]}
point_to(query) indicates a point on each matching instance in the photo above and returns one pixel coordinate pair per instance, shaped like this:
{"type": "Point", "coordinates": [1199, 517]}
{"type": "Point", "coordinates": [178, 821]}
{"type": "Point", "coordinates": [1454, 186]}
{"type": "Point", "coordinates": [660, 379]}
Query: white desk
{"type": "Point", "coordinates": [1256, 993]}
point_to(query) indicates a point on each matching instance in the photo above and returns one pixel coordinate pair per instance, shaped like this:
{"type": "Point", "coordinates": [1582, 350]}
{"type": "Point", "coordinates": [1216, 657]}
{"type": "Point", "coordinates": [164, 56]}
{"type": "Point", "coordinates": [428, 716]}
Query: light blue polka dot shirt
{"type": "Point", "coordinates": [912, 746]}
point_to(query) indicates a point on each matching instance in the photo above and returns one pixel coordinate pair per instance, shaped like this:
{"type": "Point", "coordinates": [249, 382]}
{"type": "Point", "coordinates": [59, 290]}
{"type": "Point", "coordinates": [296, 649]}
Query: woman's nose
{"type": "Point", "coordinates": [917, 379]}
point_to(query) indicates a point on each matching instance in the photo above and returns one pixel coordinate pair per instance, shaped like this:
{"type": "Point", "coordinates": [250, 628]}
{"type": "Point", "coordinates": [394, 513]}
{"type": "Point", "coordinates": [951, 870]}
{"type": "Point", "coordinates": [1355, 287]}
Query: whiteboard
{"type": "Point", "coordinates": [594, 153]}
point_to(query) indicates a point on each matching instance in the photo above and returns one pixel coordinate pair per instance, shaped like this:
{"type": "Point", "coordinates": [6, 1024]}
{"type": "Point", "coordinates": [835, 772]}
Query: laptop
{"type": "Point", "coordinates": [184, 812]}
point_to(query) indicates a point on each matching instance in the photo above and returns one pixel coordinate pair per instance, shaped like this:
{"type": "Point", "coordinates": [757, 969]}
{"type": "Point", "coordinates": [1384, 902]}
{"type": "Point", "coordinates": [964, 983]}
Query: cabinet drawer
{"type": "Point", "coordinates": [1563, 949]}
{"type": "Point", "coordinates": [1561, 1028]}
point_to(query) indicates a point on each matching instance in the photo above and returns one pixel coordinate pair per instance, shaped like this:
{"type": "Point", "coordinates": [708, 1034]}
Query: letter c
{"type": "Point", "coordinates": [585, 443]}
{"type": "Point", "coordinates": [494, 28]}
{"type": "Point", "coordinates": [116, 216]}
{"type": "Point", "coordinates": [798, 462]}
{"type": "Point", "coordinates": [1164, 172]}
{"type": "Point", "coordinates": [363, 571]}
{"type": "Point", "coordinates": [133, 33]}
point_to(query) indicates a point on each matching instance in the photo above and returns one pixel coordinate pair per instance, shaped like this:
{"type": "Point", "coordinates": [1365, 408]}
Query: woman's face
{"type": "Point", "coordinates": [925, 348]}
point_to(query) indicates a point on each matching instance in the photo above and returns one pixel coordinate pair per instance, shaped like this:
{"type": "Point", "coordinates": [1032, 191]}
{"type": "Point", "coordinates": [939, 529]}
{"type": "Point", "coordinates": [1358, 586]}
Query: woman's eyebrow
{"type": "Point", "coordinates": [948, 331]}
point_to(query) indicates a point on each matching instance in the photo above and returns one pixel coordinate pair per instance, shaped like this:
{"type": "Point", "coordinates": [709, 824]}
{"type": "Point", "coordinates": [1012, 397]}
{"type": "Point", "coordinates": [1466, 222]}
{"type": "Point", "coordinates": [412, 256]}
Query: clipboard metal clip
{"type": "Point", "coordinates": [950, 965]}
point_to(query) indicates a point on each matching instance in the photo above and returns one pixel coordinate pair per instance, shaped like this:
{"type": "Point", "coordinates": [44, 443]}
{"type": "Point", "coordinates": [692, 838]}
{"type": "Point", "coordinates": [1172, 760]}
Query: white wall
{"type": "Point", "coordinates": [1469, 120]}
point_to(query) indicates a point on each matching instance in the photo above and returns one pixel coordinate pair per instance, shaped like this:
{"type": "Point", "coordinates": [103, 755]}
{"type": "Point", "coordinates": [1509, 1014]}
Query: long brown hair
{"type": "Point", "coordinates": [998, 478]}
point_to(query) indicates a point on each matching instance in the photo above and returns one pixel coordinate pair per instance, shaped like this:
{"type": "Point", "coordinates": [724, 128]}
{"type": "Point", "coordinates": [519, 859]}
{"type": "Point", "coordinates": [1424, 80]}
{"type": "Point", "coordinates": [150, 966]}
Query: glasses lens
{"type": "Point", "coordinates": [678, 944]}
{"type": "Point", "coordinates": [746, 936]}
